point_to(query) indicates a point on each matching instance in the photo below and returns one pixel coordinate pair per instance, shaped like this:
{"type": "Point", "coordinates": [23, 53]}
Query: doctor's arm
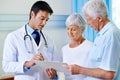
{"type": "Point", "coordinates": [10, 61]}
{"type": "Point", "coordinates": [31, 63]}
{"type": "Point", "coordinates": [50, 72]}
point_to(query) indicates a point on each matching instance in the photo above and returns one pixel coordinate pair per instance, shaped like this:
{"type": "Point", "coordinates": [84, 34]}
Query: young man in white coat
{"type": "Point", "coordinates": [21, 49]}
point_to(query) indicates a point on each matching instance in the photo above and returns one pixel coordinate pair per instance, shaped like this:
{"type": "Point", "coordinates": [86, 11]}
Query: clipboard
{"type": "Point", "coordinates": [58, 66]}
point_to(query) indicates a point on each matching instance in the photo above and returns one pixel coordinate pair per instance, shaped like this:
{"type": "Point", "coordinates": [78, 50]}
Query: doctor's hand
{"type": "Point", "coordinates": [31, 63]}
{"type": "Point", "coordinates": [38, 56]}
{"type": "Point", "coordinates": [51, 73]}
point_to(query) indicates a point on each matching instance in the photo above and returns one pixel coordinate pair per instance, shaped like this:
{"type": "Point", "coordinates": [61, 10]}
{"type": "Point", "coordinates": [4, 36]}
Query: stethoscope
{"type": "Point", "coordinates": [28, 39]}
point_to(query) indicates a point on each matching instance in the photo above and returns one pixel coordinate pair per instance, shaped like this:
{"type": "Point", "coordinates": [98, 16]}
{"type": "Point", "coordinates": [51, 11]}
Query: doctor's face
{"type": "Point", "coordinates": [74, 32]}
{"type": "Point", "coordinates": [39, 20]}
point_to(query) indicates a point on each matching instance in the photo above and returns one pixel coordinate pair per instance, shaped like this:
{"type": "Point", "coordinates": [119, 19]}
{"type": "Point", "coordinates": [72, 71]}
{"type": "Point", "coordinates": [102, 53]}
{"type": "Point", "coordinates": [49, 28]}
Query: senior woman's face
{"type": "Point", "coordinates": [74, 32]}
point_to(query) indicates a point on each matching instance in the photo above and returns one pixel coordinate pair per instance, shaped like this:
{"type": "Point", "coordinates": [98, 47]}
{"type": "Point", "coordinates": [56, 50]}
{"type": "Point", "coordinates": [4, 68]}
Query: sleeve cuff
{"type": "Point", "coordinates": [56, 77]}
{"type": "Point", "coordinates": [25, 69]}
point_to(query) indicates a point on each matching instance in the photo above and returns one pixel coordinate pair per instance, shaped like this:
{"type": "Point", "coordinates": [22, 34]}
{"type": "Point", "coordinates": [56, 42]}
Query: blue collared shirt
{"type": "Point", "coordinates": [106, 50]}
{"type": "Point", "coordinates": [30, 29]}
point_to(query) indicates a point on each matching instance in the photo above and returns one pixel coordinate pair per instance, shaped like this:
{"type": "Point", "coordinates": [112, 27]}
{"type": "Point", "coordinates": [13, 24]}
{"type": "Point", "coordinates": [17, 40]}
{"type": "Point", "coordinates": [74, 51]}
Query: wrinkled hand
{"type": "Point", "coordinates": [51, 73]}
{"type": "Point", "coordinates": [31, 63]}
{"type": "Point", "coordinates": [73, 69]}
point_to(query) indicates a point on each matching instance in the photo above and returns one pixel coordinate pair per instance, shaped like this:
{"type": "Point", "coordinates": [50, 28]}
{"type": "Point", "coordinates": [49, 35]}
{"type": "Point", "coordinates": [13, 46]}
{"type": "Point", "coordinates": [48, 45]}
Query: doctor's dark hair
{"type": "Point", "coordinates": [40, 5]}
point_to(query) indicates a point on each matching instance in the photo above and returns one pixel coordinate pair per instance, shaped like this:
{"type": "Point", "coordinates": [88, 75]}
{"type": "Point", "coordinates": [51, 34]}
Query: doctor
{"type": "Point", "coordinates": [21, 49]}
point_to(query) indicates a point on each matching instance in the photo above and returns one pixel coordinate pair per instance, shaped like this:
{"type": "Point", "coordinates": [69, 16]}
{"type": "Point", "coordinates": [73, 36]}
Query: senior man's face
{"type": "Point", "coordinates": [92, 22]}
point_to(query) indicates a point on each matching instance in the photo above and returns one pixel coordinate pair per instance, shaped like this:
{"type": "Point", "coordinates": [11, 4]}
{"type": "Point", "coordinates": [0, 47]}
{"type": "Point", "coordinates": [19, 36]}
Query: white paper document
{"type": "Point", "coordinates": [55, 65]}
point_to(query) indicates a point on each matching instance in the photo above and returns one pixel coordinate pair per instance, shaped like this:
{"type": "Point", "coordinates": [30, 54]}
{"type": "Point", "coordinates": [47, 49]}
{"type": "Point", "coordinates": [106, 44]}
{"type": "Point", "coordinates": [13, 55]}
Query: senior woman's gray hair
{"type": "Point", "coordinates": [95, 8]}
{"type": "Point", "coordinates": [76, 19]}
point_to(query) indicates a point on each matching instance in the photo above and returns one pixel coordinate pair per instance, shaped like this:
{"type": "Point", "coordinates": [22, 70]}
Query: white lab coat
{"type": "Point", "coordinates": [15, 55]}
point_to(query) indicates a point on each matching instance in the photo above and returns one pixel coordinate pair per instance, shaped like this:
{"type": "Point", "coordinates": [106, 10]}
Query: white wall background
{"type": "Point", "coordinates": [60, 7]}
{"type": "Point", "coordinates": [116, 12]}
{"type": "Point", "coordinates": [22, 7]}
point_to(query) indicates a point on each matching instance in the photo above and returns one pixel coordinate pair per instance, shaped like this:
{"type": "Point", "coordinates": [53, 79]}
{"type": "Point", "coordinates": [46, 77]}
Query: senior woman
{"type": "Point", "coordinates": [76, 51]}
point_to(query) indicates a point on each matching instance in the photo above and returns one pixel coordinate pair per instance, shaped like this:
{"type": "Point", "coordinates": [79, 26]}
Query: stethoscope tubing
{"type": "Point", "coordinates": [28, 36]}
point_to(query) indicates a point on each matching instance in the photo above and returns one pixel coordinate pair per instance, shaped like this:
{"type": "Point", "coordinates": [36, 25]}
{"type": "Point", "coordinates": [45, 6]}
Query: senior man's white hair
{"type": "Point", "coordinates": [76, 19]}
{"type": "Point", "coordinates": [96, 8]}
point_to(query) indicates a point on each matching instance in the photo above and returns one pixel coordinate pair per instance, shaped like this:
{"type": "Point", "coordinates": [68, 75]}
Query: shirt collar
{"type": "Point", "coordinates": [30, 29]}
{"type": "Point", "coordinates": [104, 29]}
